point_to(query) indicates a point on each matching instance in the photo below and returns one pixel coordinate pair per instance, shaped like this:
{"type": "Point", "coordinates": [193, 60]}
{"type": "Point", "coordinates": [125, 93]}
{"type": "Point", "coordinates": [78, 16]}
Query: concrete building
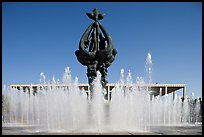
{"type": "Point", "coordinates": [154, 89]}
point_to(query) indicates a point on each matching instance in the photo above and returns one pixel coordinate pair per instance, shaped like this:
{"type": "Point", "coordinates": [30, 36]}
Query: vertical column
{"type": "Point", "coordinates": [108, 92]}
{"type": "Point", "coordinates": [184, 92]}
{"type": "Point", "coordinates": [160, 91]}
{"type": "Point", "coordinates": [165, 90]}
{"type": "Point", "coordinates": [89, 90]}
{"type": "Point", "coordinates": [174, 93]}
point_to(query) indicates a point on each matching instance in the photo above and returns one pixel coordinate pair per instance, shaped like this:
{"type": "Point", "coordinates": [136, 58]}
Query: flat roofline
{"type": "Point", "coordinates": [109, 84]}
{"type": "Point", "coordinates": [156, 88]}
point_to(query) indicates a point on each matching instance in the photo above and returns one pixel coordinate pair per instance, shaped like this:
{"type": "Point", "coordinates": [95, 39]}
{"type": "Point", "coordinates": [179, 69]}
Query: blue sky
{"type": "Point", "coordinates": [42, 37]}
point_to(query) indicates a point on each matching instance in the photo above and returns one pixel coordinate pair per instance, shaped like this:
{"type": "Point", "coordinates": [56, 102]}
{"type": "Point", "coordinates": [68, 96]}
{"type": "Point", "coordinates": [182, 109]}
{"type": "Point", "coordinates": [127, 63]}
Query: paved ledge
{"type": "Point", "coordinates": [155, 130]}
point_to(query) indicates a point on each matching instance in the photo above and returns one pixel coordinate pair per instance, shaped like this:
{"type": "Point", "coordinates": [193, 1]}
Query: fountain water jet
{"type": "Point", "coordinates": [148, 68]}
{"type": "Point", "coordinates": [56, 109]}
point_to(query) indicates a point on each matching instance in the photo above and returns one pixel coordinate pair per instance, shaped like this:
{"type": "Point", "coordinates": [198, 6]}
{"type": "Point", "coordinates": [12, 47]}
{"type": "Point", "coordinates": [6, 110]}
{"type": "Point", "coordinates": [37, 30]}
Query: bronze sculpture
{"type": "Point", "coordinates": [96, 50]}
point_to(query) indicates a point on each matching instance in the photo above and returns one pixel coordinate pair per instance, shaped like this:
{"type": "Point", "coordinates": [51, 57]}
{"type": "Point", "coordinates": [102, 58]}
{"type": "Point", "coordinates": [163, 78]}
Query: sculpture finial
{"type": "Point", "coordinates": [95, 15]}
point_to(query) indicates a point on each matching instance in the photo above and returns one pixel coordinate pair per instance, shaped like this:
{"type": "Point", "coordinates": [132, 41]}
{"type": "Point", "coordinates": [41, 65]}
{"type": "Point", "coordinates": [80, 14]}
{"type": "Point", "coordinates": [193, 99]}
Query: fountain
{"type": "Point", "coordinates": [148, 68]}
{"type": "Point", "coordinates": [56, 109]}
{"type": "Point", "coordinates": [61, 107]}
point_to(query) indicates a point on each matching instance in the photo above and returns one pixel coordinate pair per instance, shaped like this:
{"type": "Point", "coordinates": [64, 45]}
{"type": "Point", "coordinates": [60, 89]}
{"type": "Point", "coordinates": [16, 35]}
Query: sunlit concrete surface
{"type": "Point", "coordinates": [154, 130]}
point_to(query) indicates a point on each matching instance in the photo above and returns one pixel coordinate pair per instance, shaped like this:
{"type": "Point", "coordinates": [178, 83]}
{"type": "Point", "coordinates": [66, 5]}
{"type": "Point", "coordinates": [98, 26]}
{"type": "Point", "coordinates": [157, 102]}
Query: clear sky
{"type": "Point", "coordinates": [42, 37]}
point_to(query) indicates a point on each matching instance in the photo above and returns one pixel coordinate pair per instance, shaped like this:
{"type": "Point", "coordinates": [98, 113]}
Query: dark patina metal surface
{"type": "Point", "coordinates": [96, 50]}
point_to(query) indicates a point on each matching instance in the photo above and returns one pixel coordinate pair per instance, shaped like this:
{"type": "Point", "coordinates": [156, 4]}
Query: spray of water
{"type": "Point", "coordinates": [148, 68]}
{"type": "Point", "coordinates": [63, 108]}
